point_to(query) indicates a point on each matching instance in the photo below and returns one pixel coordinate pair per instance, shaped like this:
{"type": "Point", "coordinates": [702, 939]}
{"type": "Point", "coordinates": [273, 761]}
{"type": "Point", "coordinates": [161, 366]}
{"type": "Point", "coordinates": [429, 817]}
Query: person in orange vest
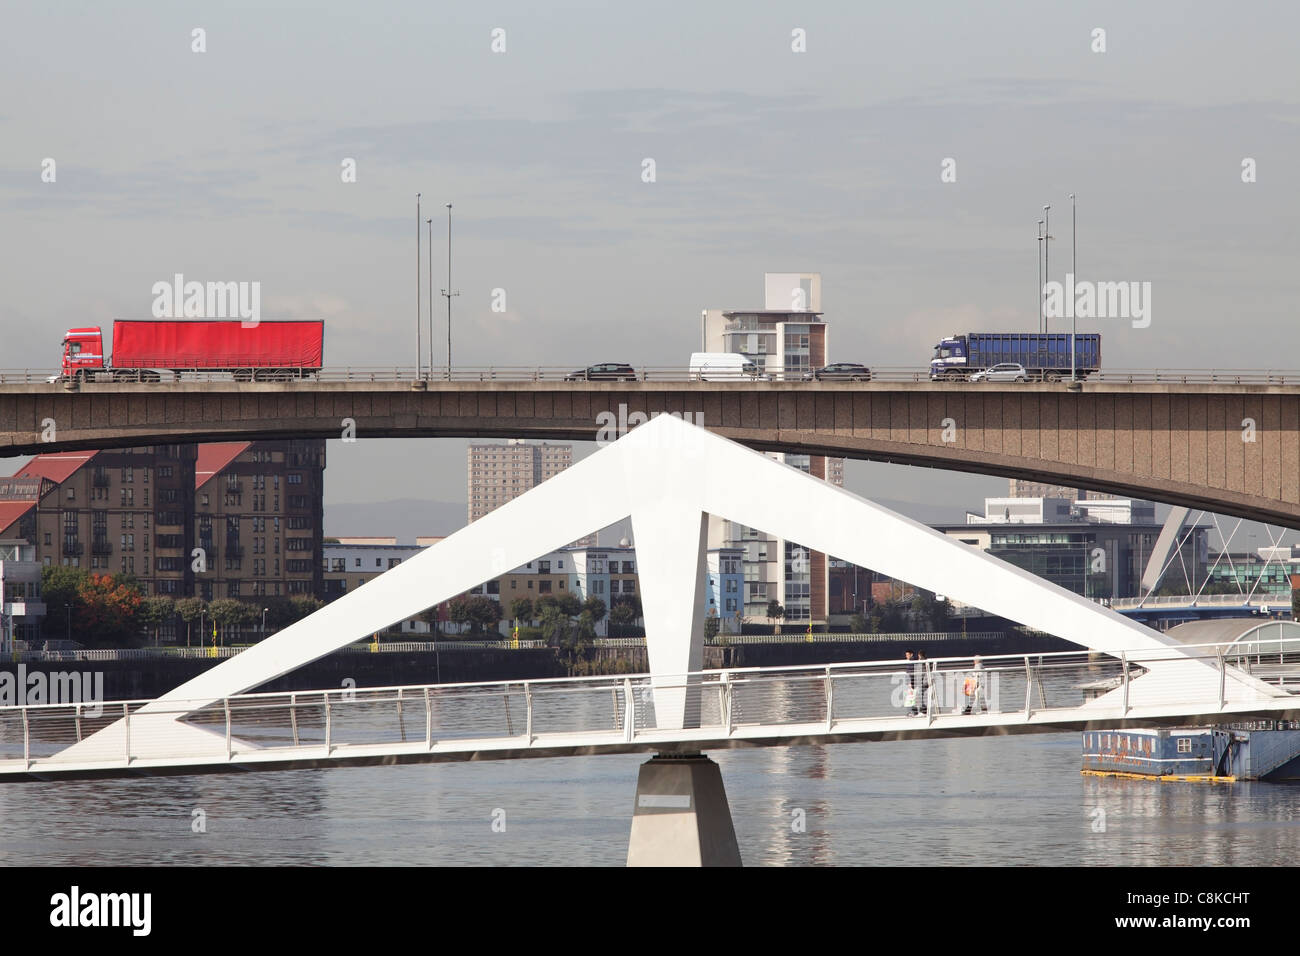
{"type": "Point", "coordinates": [972, 686]}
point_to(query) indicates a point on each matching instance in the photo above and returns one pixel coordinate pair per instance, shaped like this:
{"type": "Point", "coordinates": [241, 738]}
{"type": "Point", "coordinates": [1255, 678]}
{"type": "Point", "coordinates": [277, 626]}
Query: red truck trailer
{"type": "Point", "coordinates": [142, 350]}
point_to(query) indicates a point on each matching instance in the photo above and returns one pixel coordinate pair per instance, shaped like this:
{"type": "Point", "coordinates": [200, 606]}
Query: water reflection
{"type": "Point", "coordinates": [995, 800]}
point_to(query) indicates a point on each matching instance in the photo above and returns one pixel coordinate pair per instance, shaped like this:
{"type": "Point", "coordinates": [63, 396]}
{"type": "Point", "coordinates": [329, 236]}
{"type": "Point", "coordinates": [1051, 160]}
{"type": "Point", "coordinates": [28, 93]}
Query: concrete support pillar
{"type": "Point", "coordinates": [681, 816]}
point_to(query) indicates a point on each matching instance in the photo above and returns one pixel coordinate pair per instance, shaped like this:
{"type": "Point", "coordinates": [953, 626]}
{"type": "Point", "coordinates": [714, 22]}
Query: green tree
{"type": "Point", "coordinates": [596, 608]}
{"type": "Point", "coordinates": [521, 609]}
{"type": "Point", "coordinates": [226, 613]}
{"type": "Point", "coordinates": [155, 612]}
{"type": "Point", "coordinates": [484, 614]}
{"type": "Point", "coordinates": [711, 625]}
{"type": "Point", "coordinates": [584, 635]}
{"type": "Point", "coordinates": [280, 612]}
{"type": "Point", "coordinates": [775, 612]}
{"type": "Point", "coordinates": [570, 604]}
{"type": "Point", "coordinates": [554, 625]}
{"type": "Point", "coordinates": [859, 624]}
{"type": "Point", "coordinates": [621, 616]}
{"type": "Point", "coordinates": [189, 609]}
{"type": "Point", "coordinates": [304, 605]}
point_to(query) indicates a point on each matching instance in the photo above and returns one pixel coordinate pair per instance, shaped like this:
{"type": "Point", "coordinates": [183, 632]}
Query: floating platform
{"type": "Point", "coordinates": [1250, 750]}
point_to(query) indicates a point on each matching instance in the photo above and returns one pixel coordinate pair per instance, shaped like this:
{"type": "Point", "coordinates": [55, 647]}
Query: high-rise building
{"type": "Point", "coordinates": [499, 473]}
{"type": "Point", "coordinates": [786, 338]}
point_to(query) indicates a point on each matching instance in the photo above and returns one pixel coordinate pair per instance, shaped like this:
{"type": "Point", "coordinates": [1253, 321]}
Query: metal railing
{"type": "Point", "coordinates": [559, 374]}
{"type": "Point", "coordinates": [1203, 600]}
{"type": "Point", "coordinates": [591, 712]}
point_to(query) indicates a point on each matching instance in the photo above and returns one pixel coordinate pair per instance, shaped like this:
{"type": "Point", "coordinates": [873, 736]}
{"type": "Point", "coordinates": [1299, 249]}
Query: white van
{"type": "Point", "coordinates": [724, 366]}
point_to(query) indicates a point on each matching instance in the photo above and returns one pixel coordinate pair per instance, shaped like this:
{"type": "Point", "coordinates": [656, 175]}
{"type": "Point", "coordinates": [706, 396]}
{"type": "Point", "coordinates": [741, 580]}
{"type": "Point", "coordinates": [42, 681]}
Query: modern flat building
{"type": "Point", "coordinates": [258, 515]}
{"type": "Point", "coordinates": [348, 563]}
{"type": "Point", "coordinates": [1098, 547]}
{"type": "Point", "coordinates": [787, 338]}
{"type": "Point", "coordinates": [126, 511]}
{"type": "Point", "coordinates": [21, 607]}
{"type": "Point", "coordinates": [230, 519]}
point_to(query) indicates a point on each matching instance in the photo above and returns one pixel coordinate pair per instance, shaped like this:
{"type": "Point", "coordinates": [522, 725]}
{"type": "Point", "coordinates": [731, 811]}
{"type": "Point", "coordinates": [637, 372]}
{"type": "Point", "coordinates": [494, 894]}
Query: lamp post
{"type": "Point", "coordinates": [68, 609]}
{"type": "Point", "coordinates": [1040, 275]}
{"type": "Point", "coordinates": [429, 222]}
{"type": "Point", "coordinates": [448, 293]}
{"type": "Point", "coordinates": [202, 611]}
{"type": "Point", "coordinates": [264, 610]}
{"type": "Point", "coordinates": [1047, 262]}
{"type": "Point", "coordinates": [1074, 271]}
{"type": "Point", "coordinates": [418, 368]}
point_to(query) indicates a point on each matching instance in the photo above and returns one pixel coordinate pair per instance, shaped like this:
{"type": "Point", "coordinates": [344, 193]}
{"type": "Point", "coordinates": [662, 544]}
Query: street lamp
{"type": "Point", "coordinates": [1047, 265]}
{"type": "Point", "coordinates": [264, 610]}
{"type": "Point", "coordinates": [448, 293]}
{"type": "Point", "coordinates": [1039, 293]}
{"type": "Point", "coordinates": [1074, 271]}
{"type": "Point", "coordinates": [418, 368]}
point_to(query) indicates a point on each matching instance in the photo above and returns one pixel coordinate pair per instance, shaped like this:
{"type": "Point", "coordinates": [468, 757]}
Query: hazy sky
{"type": "Point", "coordinates": [225, 165]}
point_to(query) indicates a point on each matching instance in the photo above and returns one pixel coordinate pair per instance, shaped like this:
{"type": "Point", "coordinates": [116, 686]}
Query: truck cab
{"type": "Point", "coordinates": [83, 352]}
{"type": "Point", "coordinates": [950, 357]}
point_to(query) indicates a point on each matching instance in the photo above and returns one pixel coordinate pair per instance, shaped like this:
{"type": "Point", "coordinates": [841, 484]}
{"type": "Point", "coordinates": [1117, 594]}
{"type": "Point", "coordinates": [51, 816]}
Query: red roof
{"type": "Point", "coordinates": [57, 466]}
{"type": "Point", "coordinates": [11, 511]}
{"type": "Point", "coordinates": [213, 458]}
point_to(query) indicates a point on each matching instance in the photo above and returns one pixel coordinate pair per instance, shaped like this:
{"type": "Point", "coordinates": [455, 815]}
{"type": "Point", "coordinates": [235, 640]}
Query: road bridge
{"type": "Point", "coordinates": [1225, 445]}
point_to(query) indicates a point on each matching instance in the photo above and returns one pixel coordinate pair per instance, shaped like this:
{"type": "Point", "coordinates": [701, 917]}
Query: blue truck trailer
{"type": "Point", "coordinates": [1045, 356]}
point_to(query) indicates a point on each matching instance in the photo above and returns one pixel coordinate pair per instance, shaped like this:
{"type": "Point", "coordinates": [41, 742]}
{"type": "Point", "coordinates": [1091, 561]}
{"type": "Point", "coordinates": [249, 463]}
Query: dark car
{"type": "Point", "coordinates": [607, 372]}
{"type": "Point", "coordinates": [840, 372]}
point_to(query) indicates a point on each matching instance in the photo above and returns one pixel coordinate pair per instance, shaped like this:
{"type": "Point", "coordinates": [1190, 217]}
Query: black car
{"type": "Point", "coordinates": [840, 372]}
{"type": "Point", "coordinates": [607, 372]}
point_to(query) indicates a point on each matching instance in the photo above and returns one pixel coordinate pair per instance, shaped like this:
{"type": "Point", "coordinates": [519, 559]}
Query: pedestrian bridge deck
{"type": "Point", "coordinates": [773, 706]}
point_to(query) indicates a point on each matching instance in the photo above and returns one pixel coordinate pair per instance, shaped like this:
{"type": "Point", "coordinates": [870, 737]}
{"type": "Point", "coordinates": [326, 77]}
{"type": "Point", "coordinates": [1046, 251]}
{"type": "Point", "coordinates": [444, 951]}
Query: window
{"type": "Point", "coordinates": [544, 587]}
{"type": "Point", "coordinates": [72, 494]}
{"type": "Point", "coordinates": [358, 564]}
{"type": "Point", "coordinates": [1184, 745]}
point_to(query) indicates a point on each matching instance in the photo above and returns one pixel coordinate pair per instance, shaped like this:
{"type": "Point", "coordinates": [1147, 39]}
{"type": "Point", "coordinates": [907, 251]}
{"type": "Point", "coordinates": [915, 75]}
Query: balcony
{"type": "Point", "coordinates": [73, 549]}
{"type": "Point", "coordinates": [101, 546]}
{"type": "Point", "coordinates": [101, 480]}
{"type": "Point", "coordinates": [232, 551]}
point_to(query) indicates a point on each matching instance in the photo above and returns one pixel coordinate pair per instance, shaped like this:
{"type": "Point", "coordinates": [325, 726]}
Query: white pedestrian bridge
{"type": "Point", "coordinates": [770, 706]}
{"type": "Point", "coordinates": [669, 477]}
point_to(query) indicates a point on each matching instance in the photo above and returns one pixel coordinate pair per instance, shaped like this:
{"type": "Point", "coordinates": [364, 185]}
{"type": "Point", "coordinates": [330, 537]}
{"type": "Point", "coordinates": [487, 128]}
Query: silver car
{"type": "Point", "coordinates": [1006, 372]}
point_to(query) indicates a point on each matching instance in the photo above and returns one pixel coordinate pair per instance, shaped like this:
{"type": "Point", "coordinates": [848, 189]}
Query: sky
{"type": "Point", "coordinates": [226, 165]}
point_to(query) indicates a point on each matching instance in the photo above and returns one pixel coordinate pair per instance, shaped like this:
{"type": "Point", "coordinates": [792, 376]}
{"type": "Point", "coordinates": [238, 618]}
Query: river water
{"type": "Point", "coordinates": [997, 801]}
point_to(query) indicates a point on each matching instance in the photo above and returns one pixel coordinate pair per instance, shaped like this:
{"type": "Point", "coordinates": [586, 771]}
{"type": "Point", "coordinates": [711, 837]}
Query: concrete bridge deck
{"type": "Point", "coordinates": [1231, 446]}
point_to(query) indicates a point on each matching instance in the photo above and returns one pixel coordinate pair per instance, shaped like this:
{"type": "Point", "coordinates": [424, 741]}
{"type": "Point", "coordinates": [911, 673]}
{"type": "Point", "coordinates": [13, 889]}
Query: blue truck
{"type": "Point", "coordinates": [1045, 355]}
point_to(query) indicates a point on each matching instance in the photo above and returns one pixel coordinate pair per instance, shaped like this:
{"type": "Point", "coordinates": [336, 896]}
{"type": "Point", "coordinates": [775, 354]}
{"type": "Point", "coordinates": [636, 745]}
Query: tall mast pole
{"type": "Point", "coordinates": [417, 287]}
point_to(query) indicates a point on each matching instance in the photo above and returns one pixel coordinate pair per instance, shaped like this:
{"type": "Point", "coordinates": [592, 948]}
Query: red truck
{"type": "Point", "coordinates": [142, 350]}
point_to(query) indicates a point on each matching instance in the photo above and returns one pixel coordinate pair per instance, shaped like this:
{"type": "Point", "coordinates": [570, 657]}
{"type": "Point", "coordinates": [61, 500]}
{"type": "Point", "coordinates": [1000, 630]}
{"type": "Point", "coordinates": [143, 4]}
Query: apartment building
{"type": "Point", "coordinates": [787, 338]}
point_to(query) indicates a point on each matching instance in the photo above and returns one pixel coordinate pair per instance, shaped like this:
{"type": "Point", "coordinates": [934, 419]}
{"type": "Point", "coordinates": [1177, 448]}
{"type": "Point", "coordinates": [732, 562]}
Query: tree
{"type": "Point", "coordinates": [570, 604]}
{"type": "Point", "coordinates": [226, 613]}
{"type": "Point", "coordinates": [596, 608]}
{"type": "Point", "coordinates": [584, 634]}
{"type": "Point", "coordinates": [521, 609]}
{"type": "Point", "coordinates": [106, 609]}
{"type": "Point", "coordinates": [859, 624]}
{"type": "Point", "coordinates": [775, 612]}
{"type": "Point", "coordinates": [622, 615]}
{"type": "Point", "coordinates": [554, 625]}
{"type": "Point", "coordinates": [711, 625]}
{"type": "Point", "coordinates": [189, 609]}
{"type": "Point", "coordinates": [155, 612]}
{"type": "Point", "coordinates": [484, 614]}
{"type": "Point", "coordinates": [458, 611]}
{"type": "Point", "coordinates": [305, 605]}
{"type": "Point", "coordinates": [280, 612]}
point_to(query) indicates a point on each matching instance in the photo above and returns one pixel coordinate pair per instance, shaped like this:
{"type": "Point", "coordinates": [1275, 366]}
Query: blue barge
{"type": "Point", "coordinates": [1250, 750]}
